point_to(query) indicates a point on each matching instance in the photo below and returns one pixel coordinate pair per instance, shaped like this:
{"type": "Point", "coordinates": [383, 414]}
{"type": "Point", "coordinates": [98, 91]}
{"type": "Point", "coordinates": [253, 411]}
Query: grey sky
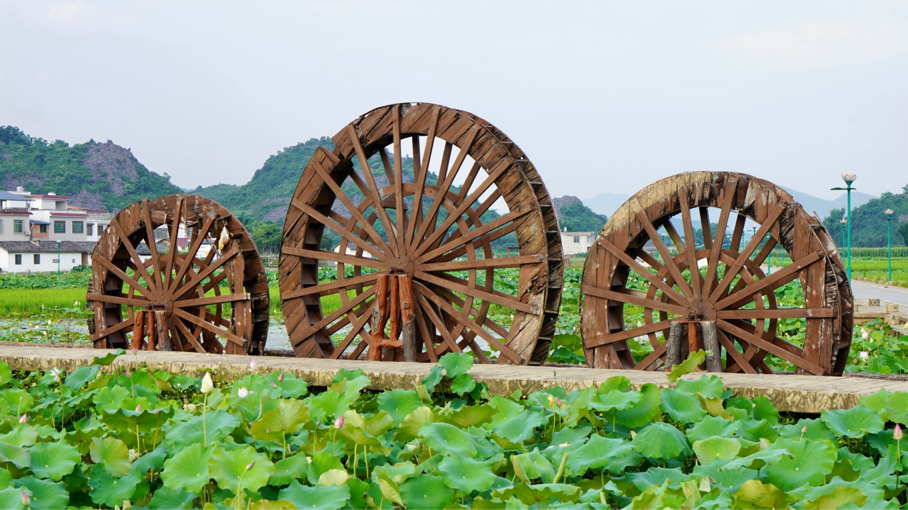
{"type": "Point", "coordinates": [602, 96]}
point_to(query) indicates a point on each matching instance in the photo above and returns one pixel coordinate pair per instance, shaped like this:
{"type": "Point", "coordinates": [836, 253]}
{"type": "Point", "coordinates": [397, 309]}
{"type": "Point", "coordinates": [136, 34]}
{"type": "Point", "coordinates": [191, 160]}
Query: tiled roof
{"type": "Point", "coordinates": [46, 246]}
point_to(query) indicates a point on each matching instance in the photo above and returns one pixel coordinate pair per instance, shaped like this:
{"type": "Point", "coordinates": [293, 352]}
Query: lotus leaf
{"type": "Point", "coordinates": [455, 364]}
{"type": "Point", "coordinates": [426, 491]}
{"type": "Point", "coordinates": [112, 453]}
{"type": "Point", "coordinates": [53, 460]}
{"type": "Point", "coordinates": [398, 403]}
{"type": "Point", "coordinates": [660, 441]}
{"type": "Point", "coordinates": [716, 448]}
{"type": "Point", "coordinates": [44, 494]}
{"type": "Point", "coordinates": [230, 468]}
{"type": "Point", "coordinates": [682, 407]}
{"type": "Point", "coordinates": [707, 386]}
{"type": "Point", "coordinates": [855, 422]}
{"type": "Point", "coordinates": [188, 469]}
{"type": "Point", "coordinates": [810, 462]}
{"type": "Point", "coordinates": [330, 498]}
{"type": "Point", "coordinates": [467, 475]}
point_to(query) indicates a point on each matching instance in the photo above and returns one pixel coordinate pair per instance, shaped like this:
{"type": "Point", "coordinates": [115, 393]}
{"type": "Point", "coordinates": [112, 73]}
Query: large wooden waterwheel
{"type": "Point", "coordinates": [210, 295]}
{"type": "Point", "coordinates": [641, 259]}
{"type": "Point", "coordinates": [421, 237]}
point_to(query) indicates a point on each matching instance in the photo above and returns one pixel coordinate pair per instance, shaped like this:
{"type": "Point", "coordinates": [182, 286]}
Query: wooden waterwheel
{"type": "Point", "coordinates": [641, 260]}
{"type": "Point", "coordinates": [420, 236]}
{"type": "Point", "coordinates": [209, 295]}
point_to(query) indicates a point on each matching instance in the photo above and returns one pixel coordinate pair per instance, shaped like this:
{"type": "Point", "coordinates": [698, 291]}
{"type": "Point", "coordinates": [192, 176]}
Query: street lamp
{"type": "Point", "coordinates": [889, 239]}
{"type": "Point", "coordinates": [843, 221]}
{"type": "Point", "coordinates": [58, 257]}
{"type": "Point", "coordinates": [849, 179]}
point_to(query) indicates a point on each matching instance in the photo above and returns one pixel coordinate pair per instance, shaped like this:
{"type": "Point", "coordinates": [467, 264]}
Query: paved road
{"type": "Point", "coordinates": [871, 290]}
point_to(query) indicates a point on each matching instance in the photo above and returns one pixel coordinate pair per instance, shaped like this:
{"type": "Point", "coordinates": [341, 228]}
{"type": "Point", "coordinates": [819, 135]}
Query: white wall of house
{"type": "Point", "coordinates": [8, 227]}
{"type": "Point", "coordinates": [575, 243]}
{"type": "Point", "coordinates": [47, 262]}
{"type": "Point", "coordinates": [68, 220]}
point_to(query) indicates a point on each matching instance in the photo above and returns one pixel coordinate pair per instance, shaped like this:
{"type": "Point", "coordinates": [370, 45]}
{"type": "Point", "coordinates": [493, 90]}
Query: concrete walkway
{"type": "Point", "coordinates": [869, 290]}
{"type": "Point", "coordinates": [803, 394]}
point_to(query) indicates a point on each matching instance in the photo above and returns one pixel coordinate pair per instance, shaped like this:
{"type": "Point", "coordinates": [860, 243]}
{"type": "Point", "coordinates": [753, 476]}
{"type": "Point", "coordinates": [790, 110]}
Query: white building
{"type": "Point", "coordinates": [96, 224]}
{"type": "Point", "coordinates": [15, 219]}
{"type": "Point", "coordinates": [577, 243]}
{"type": "Point", "coordinates": [63, 223]}
{"type": "Point", "coordinates": [42, 256]}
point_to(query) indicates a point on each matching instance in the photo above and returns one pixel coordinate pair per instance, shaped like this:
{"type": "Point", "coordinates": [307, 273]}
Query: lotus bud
{"type": "Point", "coordinates": [207, 385]}
{"type": "Point", "coordinates": [273, 385]}
{"type": "Point", "coordinates": [128, 373]}
{"type": "Point", "coordinates": [339, 422]}
{"type": "Point", "coordinates": [243, 392]}
{"type": "Point", "coordinates": [139, 408]}
{"type": "Point", "coordinates": [185, 400]}
{"type": "Point", "coordinates": [26, 499]}
{"type": "Point", "coordinates": [865, 335]}
{"type": "Point", "coordinates": [24, 418]}
{"type": "Point", "coordinates": [804, 429]}
{"type": "Point", "coordinates": [268, 431]}
{"type": "Point", "coordinates": [250, 465]}
{"type": "Point", "coordinates": [280, 378]}
{"type": "Point", "coordinates": [252, 364]}
{"type": "Point", "coordinates": [865, 355]}
{"type": "Point", "coordinates": [897, 433]}
{"type": "Point", "coordinates": [558, 401]}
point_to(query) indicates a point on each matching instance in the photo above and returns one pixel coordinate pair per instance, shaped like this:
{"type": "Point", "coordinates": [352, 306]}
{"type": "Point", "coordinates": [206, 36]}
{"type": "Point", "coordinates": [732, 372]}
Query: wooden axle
{"type": "Point", "coordinates": [153, 325]}
{"type": "Point", "coordinates": [394, 302]}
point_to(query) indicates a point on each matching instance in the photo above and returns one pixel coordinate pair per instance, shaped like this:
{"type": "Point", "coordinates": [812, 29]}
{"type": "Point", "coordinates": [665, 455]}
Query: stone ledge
{"type": "Point", "coordinates": [794, 393]}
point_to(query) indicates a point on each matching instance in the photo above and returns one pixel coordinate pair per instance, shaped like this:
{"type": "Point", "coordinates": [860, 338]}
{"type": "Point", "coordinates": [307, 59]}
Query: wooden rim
{"type": "Point", "coordinates": [734, 292]}
{"type": "Point", "coordinates": [447, 249]}
{"type": "Point", "coordinates": [183, 286]}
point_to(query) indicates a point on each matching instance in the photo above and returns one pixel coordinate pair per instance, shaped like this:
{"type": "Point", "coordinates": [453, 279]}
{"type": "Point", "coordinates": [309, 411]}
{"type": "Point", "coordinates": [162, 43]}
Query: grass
{"type": "Point", "coordinates": [36, 301]}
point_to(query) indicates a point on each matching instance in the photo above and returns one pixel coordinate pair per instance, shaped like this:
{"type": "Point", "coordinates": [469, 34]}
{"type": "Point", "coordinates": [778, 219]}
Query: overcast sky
{"type": "Point", "coordinates": [602, 96]}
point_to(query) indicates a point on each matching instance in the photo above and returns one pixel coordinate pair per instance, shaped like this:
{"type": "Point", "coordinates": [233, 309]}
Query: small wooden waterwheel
{"type": "Point", "coordinates": [208, 296]}
{"type": "Point", "coordinates": [641, 260]}
{"type": "Point", "coordinates": [420, 243]}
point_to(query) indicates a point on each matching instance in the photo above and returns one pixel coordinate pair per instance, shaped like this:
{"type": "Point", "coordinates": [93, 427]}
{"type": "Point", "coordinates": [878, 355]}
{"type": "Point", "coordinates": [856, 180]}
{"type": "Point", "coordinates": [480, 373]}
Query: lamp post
{"type": "Point", "coordinates": [58, 257]}
{"type": "Point", "coordinates": [849, 179]}
{"type": "Point", "coordinates": [889, 239]}
{"type": "Point", "coordinates": [843, 221]}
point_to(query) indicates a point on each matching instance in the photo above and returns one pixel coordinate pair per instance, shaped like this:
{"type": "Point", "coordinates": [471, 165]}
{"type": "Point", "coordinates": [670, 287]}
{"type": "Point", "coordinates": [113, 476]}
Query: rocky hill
{"type": "Point", "coordinates": [99, 176]}
{"type": "Point", "coordinates": [576, 217]}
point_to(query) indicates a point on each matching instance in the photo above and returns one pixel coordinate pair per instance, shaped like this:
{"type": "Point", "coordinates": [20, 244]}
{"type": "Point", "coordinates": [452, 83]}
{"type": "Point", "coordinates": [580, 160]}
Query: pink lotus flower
{"type": "Point", "coordinates": [24, 418]}
{"type": "Point", "coordinates": [339, 423]}
{"type": "Point", "coordinates": [26, 500]}
{"type": "Point", "coordinates": [280, 377]}
{"type": "Point", "coordinates": [250, 465]}
{"type": "Point", "coordinates": [139, 408]}
{"type": "Point", "coordinates": [242, 392]}
{"type": "Point", "coordinates": [252, 364]}
{"type": "Point", "coordinates": [128, 373]}
{"type": "Point", "coordinates": [558, 401]}
{"type": "Point", "coordinates": [897, 433]}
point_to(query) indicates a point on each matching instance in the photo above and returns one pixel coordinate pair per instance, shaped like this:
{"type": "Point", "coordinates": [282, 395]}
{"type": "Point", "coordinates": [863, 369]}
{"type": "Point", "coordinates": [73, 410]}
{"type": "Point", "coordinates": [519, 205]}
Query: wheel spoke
{"type": "Point", "coordinates": [336, 257]}
{"type": "Point", "coordinates": [624, 297]}
{"type": "Point", "coordinates": [503, 300]}
{"type": "Point", "coordinates": [456, 214]}
{"type": "Point", "coordinates": [124, 238]}
{"type": "Point", "coordinates": [692, 262]}
{"type": "Point", "coordinates": [192, 338]}
{"type": "Point", "coordinates": [152, 246]}
{"type": "Point", "coordinates": [439, 323]}
{"type": "Point", "coordinates": [483, 263]}
{"type": "Point", "coordinates": [354, 210]}
{"type": "Point", "coordinates": [770, 347]}
{"type": "Point", "coordinates": [778, 313]}
{"type": "Point", "coordinates": [204, 274]}
{"type": "Point", "coordinates": [356, 328]}
{"type": "Point", "coordinates": [642, 271]}
{"type": "Point", "coordinates": [706, 228]}
{"type": "Point", "coordinates": [737, 233]}
{"type": "Point", "coordinates": [212, 300]}
{"type": "Point", "coordinates": [376, 196]}
{"type": "Point", "coordinates": [730, 350]}
{"type": "Point", "coordinates": [467, 322]}
{"type": "Point", "coordinates": [744, 256]}
{"type": "Point", "coordinates": [118, 300]}
{"type": "Point", "coordinates": [601, 340]}
{"type": "Point", "coordinates": [443, 192]}
{"type": "Point", "coordinates": [785, 275]}
{"type": "Point", "coordinates": [208, 326]}
{"type": "Point", "coordinates": [663, 251]}
{"type": "Point", "coordinates": [716, 250]}
{"type": "Point", "coordinates": [136, 286]}
{"type": "Point", "coordinates": [174, 243]}
{"type": "Point", "coordinates": [473, 234]}
{"type": "Point", "coordinates": [331, 287]}
{"type": "Point", "coordinates": [489, 238]}
{"type": "Point", "coordinates": [346, 307]}
{"type": "Point", "coordinates": [399, 183]}
{"type": "Point", "coordinates": [102, 333]}
{"type": "Point", "coordinates": [338, 227]}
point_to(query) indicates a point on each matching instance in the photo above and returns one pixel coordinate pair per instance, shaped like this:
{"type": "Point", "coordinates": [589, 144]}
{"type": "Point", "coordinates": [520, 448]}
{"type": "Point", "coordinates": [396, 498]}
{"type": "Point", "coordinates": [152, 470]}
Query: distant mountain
{"type": "Point", "coordinates": [823, 207]}
{"type": "Point", "coordinates": [98, 176]}
{"type": "Point", "coordinates": [574, 216]}
{"type": "Point", "coordinates": [606, 203]}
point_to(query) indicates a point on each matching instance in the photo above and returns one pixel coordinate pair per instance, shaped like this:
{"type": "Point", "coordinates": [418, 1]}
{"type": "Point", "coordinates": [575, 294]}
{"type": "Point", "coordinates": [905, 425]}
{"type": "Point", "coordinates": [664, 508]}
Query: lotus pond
{"type": "Point", "coordinates": [98, 437]}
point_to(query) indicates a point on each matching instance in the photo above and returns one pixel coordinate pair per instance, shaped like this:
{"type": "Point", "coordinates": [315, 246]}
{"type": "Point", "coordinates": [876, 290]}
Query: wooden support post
{"type": "Point", "coordinates": [162, 333]}
{"type": "Point", "coordinates": [150, 329]}
{"type": "Point", "coordinates": [138, 331]}
{"type": "Point", "coordinates": [408, 312]}
{"type": "Point", "coordinates": [379, 318]}
{"type": "Point", "coordinates": [387, 353]}
{"type": "Point", "coordinates": [673, 345]}
{"type": "Point", "coordinates": [711, 344]}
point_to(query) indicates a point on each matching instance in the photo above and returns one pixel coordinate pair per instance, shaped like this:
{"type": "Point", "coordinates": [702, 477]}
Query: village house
{"type": "Point", "coordinates": [577, 243]}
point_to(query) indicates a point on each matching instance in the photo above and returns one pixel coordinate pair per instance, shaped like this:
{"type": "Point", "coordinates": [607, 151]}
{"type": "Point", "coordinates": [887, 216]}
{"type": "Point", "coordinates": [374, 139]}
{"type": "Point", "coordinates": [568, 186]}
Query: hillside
{"type": "Point", "coordinates": [868, 227]}
{"type": "Point", "coordinates": [576, 217]}
{"type": "Point", "coordinates": [99, 176]}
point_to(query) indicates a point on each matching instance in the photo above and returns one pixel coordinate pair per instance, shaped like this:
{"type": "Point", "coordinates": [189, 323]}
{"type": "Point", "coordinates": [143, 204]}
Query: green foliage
{"type": "Point", "coordinates": [280, 447]}
{"type": "Point", "coordinates": [59, 168]}
{"type": "Point", "coordinates": [576, 217]}
{"type": "Point", "coordinates": [868, 222]}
